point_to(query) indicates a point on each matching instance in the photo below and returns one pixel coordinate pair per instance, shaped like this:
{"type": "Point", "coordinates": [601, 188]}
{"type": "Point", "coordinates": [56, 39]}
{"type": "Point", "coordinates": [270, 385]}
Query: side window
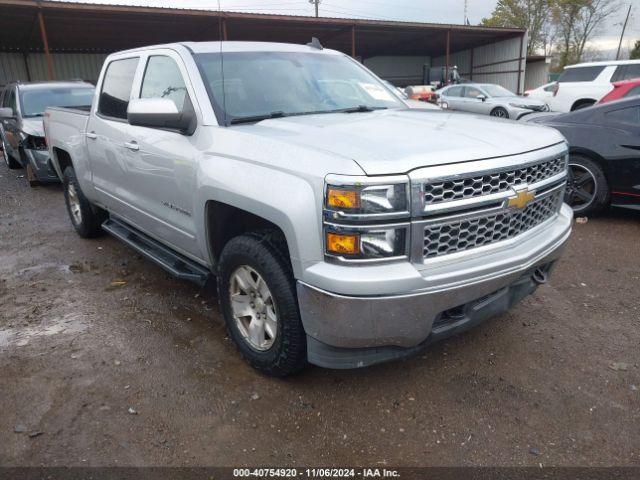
{"type": "Point", "coordinates": [472, 92]}
{"type": "Point", "coordinates": [625, 115]}
{"type": "Point", "coordinates": [116, 88]}
{"type": "Point", "coordinates": [454, 92]}
{"type": "Point", "coordinates": [162, 79]}
{"type": "Point", "coordinates": [633, 92]}
{"type": "Point", "coordinates": [632, 71]}
{"type": "Point", "coordinates": [550, 88]}
{"type": "Point", "coordinates": [580, 74]}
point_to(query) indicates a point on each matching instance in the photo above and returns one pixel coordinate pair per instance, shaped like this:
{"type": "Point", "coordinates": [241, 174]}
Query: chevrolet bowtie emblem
{"type": "Point", "coordinates": [521, 199]}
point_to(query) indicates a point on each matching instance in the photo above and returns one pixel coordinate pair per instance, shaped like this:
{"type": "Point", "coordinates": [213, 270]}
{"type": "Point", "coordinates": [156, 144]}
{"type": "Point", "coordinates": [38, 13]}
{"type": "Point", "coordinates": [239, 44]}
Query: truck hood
{"type": "Point", "coordinates": [33, 126]}
{"type": "Point", "coordinates": [398, 141]}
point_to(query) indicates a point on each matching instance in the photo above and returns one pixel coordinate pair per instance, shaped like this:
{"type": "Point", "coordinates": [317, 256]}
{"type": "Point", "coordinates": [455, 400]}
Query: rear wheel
{"type": "Point", "coordinates": [499, 112]}
{"type": "Point", "coordinates": [587, 190]}
{"type": "Point", "coordinates": [85, 217]}
{"type": "Point", "coordinates": [257, 296]}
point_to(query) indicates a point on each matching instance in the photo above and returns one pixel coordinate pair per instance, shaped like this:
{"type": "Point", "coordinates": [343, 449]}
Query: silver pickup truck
{"type": "Point", "coordinates": [343, 228]}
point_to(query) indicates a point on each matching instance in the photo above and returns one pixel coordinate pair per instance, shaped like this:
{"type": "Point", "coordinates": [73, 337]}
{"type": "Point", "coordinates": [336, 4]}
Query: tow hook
{"type": "Point", "coordinates": [540, 276]}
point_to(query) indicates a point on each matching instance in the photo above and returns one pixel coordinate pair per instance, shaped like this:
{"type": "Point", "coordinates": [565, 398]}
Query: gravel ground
{"type": "Point", "coordinates": [140, 371]}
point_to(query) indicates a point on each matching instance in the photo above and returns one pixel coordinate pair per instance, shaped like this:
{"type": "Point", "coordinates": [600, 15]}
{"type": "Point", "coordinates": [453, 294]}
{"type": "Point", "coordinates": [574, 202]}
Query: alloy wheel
{"type": "Point", "coordinates": [253, 308]}
{"type": "Point", "coordinates": [74, 204]}
{"type": "Point", "coordinates": [581, 187]}
{"type": "Point", "coordinates": [499, 112]}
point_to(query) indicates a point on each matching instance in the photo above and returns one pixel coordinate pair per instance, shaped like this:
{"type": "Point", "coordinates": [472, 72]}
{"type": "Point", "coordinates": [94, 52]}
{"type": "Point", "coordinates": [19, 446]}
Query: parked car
{"type": "Point", "coordinates": [421, 93]}
{"type": "Point", "coordinates": [582, 85]}
{"type": "Point", "coordinates": [21, 135]}
{"type": "Point", "coordinates": [488, 99]}
{"type": "Point", "coordinates": [344, 229]}
{"type": "Point", "coordinates": [604, 161]}
{"type": "Point", "coordinates": [622, 89]}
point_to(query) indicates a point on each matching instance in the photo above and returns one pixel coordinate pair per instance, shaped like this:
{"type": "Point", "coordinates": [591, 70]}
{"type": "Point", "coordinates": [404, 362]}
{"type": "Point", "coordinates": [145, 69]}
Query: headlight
{"type": "Point", "coordinates": [366, 243]}
{"type": "Point", "coordinates": [362, 215]}
{"type": "Point", "coordinates": [366, 201]}
{"type": "Point", "coordinates": [519, 105]}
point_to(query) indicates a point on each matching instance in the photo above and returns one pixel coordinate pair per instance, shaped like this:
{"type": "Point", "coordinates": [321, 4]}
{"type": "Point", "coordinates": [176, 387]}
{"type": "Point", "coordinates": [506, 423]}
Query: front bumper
{"type": "Point", "coordinates": [41, 164]}
{"type": "Point", "coordinates": [347, 330]}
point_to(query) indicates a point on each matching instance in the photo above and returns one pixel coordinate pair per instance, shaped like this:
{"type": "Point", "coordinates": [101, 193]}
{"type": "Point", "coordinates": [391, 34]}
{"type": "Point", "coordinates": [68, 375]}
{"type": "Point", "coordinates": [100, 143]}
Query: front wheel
{"type": "Point", "coordinates": [257, 296]}
{"type": "Point", "coordinates": [587, 190]}
{"type": "Point", "coordinates": [499, 112]}
{"type": "Point", "coordinates": [85, 217]}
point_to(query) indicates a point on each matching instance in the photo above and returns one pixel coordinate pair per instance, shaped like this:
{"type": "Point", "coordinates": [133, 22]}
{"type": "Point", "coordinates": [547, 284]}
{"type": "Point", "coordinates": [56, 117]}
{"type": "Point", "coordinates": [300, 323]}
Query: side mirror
{"type": "Point", "coordinates": [161, 113]}
{"type": "Point", "coordinates": [7, 114]}
{"type": "Point", "coordinates": [481, 97]}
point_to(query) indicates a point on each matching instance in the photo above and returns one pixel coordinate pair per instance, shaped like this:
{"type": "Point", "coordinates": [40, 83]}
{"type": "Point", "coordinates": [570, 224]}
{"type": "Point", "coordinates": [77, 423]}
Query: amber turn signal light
{"type": "Point", "coordinates": [343, 244]}
{"type": "Point", "coordinates": [338, 198]}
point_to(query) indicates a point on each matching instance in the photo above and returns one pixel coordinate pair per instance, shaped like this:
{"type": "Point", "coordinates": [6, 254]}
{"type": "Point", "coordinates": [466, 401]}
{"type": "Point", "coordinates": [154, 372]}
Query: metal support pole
{"type": "Point", "coordinates": [25, 57]}
{"type": "Point", "coordinates": [45, 42]}
{"type": "Point", "coordinates": [448, 53]}
{"type": "Point", "coordinates": [353, 41]}
{"type": "Point", "coordinates": [225, 34]}
{"type": "Point", "coordinates": [471, 68]}
{"type": "Point", "coordinates": [518, 91]}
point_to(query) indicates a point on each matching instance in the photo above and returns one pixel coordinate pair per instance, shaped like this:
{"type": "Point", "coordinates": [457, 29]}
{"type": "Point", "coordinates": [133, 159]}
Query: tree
{"type": "Point", "coordinates": [532, 15]}
{"type": "Point", "coordinates": [576, 22]}
{"type": "Point", "coordinates": [635, 51]}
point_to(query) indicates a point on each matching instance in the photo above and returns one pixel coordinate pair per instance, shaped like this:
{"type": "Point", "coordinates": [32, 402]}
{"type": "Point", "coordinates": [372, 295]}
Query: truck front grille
{"type": "Point", "coordinates": [456, 235]}
{"type": "Point", "coordinates": [486, 184]}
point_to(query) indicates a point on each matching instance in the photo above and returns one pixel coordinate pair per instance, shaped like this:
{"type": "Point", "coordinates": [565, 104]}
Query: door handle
{"type": "Point", "coordinates": [92, 135]}
{"type": "Point", "coordinates": [133, 145]}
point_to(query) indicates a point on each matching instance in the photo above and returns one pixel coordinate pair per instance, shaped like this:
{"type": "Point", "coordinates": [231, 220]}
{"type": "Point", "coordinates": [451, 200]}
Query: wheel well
{"type": "Point", "coordinates": [583, 101]}
{"type": "Point", "coordinates": [63, 157]}
{"type": "Point", "coordinates": [591, 155]}
{"type": "Point", "coordinates": [225, 222]}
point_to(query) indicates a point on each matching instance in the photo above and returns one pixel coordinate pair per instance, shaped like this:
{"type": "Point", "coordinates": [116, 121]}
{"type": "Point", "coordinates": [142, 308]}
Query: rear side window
{"type": "Point", "coordinates": [629, 115]}
{"type": "Point", "coordinates": [454, 92]}
{"type": "Point", "coordinates": [162, 79]}
{"type": "Point", "coordinates": [580, 74]}
{"type": "Point", "coordinates": [626, 72]}
{"type": "Point", "coordinates": [633, 92]}
{"type": "Point", "coordinates": [116, 88]}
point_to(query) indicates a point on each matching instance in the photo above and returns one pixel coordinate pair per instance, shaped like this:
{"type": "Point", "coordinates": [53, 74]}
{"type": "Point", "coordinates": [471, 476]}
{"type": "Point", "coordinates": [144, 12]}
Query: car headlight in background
{"type": "Point", "coordinates": [361, 216]}
{"type": "Point", "coordinates": [519, 105]}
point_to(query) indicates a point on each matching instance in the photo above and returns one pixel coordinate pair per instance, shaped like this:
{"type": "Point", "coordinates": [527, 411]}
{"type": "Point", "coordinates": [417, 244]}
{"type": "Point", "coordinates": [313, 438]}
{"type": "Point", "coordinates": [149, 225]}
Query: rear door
{"type": "Point", "coordinates": [453, 97]}
{"type": "Point", "coordinates": [107, 133]}
{"type": "Point", "coordinates": [162, 167]}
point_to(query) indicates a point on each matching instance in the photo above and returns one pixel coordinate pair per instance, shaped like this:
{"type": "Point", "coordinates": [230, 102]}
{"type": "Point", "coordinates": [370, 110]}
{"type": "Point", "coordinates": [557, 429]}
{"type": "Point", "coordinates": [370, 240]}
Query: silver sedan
{"type": "Point", "coordinates": [489, 99]}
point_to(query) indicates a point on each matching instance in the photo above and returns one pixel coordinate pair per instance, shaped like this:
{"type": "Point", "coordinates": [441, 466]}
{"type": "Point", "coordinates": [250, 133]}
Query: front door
{"type": "Point", "coordinates": [162, 164]}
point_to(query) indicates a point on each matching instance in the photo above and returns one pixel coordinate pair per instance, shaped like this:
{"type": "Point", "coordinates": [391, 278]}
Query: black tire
{"type": "Point", "coordinates": [582, 104]}
{"type": "Point", "coordinates": [11, 162]}
{"type": "Point", "coordinates": [499, 112]}
{"type": "Point", "coordinates": [587, 188]}
{"type": "Point", "coordinates": [88, 223]}
{"type": "Point", "coordinates": [265, 255]}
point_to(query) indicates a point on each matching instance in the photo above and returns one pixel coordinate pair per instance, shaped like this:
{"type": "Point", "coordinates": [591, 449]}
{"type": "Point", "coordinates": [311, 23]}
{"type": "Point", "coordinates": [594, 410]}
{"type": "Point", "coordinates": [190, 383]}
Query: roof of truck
{"type": "Point", "coordinates": [37, 85]}
{"type": "Point", "coordinates": [603, 63]}
{"type": "Point", "coordinates": [231, 46]}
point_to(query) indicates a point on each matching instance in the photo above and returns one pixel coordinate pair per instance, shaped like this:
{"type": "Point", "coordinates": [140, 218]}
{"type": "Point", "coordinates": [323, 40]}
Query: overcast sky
{"type": "Point", "coordinates": [437, 11]}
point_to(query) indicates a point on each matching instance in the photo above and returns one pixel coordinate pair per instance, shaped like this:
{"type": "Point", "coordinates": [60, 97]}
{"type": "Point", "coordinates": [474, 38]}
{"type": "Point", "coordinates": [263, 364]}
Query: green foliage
{"type": "Point", "coordinates": [635, 51]}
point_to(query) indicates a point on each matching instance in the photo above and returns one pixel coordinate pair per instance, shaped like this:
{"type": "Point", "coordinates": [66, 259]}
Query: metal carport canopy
{"type": "Point", "coordinates": [81, 27]}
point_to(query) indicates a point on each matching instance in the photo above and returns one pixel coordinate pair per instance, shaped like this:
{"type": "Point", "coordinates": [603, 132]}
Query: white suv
{"type": "Point", "coordinates": [584, 84]}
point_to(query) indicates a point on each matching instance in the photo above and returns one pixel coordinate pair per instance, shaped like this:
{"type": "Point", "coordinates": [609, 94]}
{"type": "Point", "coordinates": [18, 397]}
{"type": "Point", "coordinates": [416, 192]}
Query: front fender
{"type": "Point", "coordinates": [286, 199]}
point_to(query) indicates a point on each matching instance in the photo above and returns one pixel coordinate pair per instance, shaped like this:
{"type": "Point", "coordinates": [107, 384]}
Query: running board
{"type": "Point", "coordinates": [174, 263]}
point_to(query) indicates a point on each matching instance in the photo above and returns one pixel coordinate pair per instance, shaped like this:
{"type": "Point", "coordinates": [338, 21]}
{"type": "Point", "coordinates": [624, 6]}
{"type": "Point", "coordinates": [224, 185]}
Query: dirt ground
{"type": "Point", "coordinates": [141, 373]}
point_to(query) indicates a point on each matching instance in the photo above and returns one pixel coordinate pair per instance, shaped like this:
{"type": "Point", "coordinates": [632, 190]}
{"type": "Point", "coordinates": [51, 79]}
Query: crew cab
{"type": "Point", "coordinates": [342, 228]}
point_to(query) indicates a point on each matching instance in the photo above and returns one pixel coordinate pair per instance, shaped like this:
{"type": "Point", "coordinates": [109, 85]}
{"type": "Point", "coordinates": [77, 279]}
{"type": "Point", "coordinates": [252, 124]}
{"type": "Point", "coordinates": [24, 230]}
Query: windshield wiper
{"type": "Point", "coordinates": [361, 108]}
{"type": "Point", "coordinates": [257, 118]}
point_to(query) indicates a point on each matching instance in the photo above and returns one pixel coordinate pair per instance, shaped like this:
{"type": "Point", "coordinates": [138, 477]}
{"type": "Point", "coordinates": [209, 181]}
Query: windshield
{"type": "Point", "coordinates": [497, 91]}
{"type": "Point", "coordinates": [35, 101]}
{"type": "Point", "coordinates": [272, 84]}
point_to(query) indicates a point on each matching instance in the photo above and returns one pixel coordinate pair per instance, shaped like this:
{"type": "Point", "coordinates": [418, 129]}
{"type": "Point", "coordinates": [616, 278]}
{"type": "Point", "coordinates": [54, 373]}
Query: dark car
{"type": "Point", "coordinates": [21, 131]}
{"type": "Point", "coordinates": [604, 160]}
